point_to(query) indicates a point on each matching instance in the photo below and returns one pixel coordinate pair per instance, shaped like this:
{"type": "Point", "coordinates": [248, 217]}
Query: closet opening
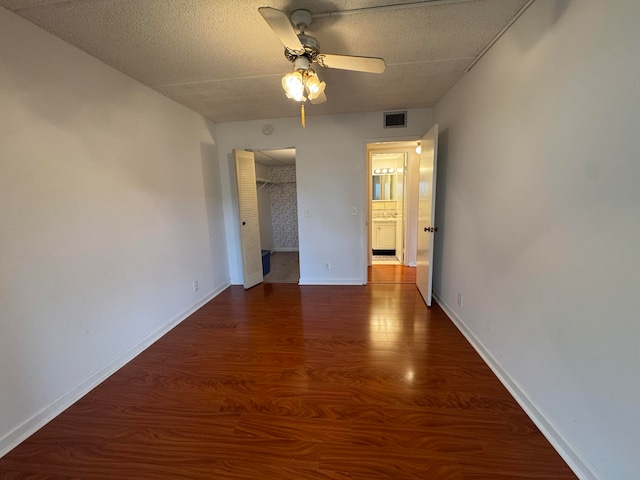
{"type": "Point", "coordinates": [278, 214]}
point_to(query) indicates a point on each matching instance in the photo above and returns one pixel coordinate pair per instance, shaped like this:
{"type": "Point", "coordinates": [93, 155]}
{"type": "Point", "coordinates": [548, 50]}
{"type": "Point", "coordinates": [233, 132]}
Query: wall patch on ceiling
{"type": "Point", "coordinates": [395, 119]}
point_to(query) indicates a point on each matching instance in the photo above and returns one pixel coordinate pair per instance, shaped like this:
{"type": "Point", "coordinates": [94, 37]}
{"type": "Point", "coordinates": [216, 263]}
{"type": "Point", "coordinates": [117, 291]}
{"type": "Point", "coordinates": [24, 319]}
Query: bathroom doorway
{"type": "Point", "coordinates": [392, 179]}
{"type": "Point", "coordinates": [392, 175]}
{"type": "Point", "coordinates": [387, 207]}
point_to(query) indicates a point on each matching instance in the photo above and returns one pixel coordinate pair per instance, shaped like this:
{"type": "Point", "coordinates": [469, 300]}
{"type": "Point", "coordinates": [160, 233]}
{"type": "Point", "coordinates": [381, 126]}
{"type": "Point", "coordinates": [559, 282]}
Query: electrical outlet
{"type": "Point", "coordinates": [459, 299]}
{"type": "Point", "coordinates": [327, 266]}
{"type": "Point", "coordinates": [195, 286]}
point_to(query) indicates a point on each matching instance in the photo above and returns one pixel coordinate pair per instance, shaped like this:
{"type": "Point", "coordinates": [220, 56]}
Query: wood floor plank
{"type": "Point", "coordinates": [288, 382]}
{"type": "Point", "coordinates": [16, 475]}
{"type": "Point", "coordinates": [390, 462]}
{"type": "Point", "coordinates": [250, 470]}
{"type": "Point", "coordinates": [381, 273]}
{"type": "Point", "coordinates": [499, 465]}
{"type": "Point", "coordinates": [295, 428]}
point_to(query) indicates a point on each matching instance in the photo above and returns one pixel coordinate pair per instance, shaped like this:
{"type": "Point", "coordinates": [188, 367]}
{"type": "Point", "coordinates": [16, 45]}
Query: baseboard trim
{"type": "Point", "coordinates": [580, 465]}
{"type": "Point", "coordinates": [55, 408]}
{"type": "Point", "coordinates": [330, 281]}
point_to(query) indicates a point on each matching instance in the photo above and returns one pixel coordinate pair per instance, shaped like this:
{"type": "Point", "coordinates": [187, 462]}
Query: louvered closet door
{"type": "Point", "coordinates": [249, 222]}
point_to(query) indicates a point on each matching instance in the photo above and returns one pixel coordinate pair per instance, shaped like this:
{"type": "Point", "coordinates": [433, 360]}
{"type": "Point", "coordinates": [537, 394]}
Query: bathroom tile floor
{"type": "Point", "coordinates": [385, 260]}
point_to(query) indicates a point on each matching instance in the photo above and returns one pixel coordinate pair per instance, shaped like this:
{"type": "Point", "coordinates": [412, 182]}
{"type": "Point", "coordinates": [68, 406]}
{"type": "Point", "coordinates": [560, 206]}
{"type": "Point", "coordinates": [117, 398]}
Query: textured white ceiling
{"type": "Point", "coordinates": [220, 58]}
{"type": "Point", "coordinates": [285, 157]}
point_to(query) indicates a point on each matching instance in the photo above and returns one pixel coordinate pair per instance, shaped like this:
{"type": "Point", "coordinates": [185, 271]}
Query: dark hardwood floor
{"type": "Point", "coordinates": [289, 382]}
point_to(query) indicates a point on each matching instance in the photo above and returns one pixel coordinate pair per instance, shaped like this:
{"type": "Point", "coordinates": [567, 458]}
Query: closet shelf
{"type": "Point", "coordinates": [271, 183]}
{"type": "Point", "coordinates": [265, 182]}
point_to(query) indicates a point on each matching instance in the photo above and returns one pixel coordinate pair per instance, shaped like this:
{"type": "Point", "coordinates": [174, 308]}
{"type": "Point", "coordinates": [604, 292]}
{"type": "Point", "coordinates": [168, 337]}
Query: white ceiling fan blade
{"type": "Point", "coordinates": [321, 98]}
{"type": "Point", "coordinates": [346, 62]}
{"type": "Point", "coordinates": [282, 27]}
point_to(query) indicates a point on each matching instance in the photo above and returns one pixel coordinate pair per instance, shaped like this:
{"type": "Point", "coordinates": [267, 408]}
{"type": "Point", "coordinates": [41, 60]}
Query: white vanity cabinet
{"type": "Point", "coordinates": [384, 234]}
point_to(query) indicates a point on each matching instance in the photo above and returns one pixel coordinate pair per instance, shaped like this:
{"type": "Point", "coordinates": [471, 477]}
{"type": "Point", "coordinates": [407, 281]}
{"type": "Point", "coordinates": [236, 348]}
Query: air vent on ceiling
{"type": "Point", "coordinates": [395, 119]}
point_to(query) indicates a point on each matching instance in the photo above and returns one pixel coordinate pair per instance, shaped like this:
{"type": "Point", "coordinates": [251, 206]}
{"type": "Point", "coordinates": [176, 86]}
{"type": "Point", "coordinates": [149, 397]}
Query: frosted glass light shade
{"type": "Point", "coordinates": [293, 85]}
{"type": "Point", "coordinates": [314, 86]}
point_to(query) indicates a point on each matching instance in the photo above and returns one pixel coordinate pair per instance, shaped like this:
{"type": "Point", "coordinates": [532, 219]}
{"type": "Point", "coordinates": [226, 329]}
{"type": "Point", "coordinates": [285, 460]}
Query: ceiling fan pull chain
{"type": "Point", "coordinates": [302, 114]}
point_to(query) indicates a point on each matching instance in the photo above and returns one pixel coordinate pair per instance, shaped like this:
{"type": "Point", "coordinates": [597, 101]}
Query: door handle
{"type": "Point", "coordinates": [430, 229]}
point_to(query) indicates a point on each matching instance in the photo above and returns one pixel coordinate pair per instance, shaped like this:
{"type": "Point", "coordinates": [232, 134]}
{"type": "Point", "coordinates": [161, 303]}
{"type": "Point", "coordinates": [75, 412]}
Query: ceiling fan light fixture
{"type": "Point", "coordinates": [303, 50]}
{"type": "Point", "coordinates": [293, 85]}
{"type": "Point", "coordinates": [314, 86]}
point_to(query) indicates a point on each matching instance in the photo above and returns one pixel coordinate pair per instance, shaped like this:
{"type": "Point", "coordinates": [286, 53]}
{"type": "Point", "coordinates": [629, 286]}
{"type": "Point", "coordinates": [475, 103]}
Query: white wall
{"type": "Point", "coordinates": [539, 214]}
{"type": "Point", "coordinates": [110, 206]}
{"type": "Point", "coordinates": [331, 175]}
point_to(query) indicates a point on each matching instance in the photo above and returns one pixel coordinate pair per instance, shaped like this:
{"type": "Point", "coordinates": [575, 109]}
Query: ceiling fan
{"type": "Point", "coordinates": [303, 50]}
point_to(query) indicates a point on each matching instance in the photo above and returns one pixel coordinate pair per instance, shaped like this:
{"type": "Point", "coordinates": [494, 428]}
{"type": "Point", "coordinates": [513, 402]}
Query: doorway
{"type": "Point", "coordinates": [278, 214]}
{"type": "Point", "coordinates": [387, 207]}
{"type": "Point", "coordinates": [392, 179]}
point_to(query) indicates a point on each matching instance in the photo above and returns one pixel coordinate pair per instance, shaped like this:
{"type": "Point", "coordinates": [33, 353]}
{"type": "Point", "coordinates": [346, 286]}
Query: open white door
{"type": "Point", "coordinates": [248, 218]}
{"type": "Point", "coordinates": [426, 212]}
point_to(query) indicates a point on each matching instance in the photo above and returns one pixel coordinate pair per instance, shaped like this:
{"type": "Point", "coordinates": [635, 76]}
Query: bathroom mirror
{"type": "Point", "coordinates": [383, 187]}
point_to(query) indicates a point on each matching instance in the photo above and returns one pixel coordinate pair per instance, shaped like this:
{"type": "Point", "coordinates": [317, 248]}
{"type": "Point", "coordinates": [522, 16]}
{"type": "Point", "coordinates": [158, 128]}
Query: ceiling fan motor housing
{"type": "Point", "coordinates": [302, 19]}
{"type": "Point", "coordinates": [311, 49]}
